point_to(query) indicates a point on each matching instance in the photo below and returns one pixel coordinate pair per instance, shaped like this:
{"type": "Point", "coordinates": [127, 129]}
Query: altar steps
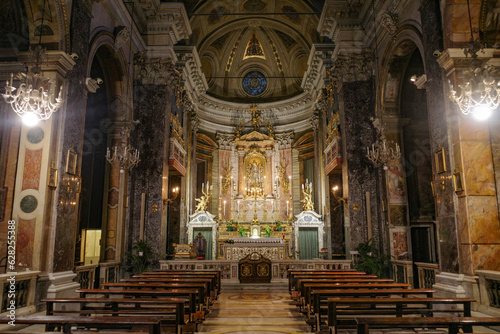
{"type": "Point", "coordinates": [280, 285]}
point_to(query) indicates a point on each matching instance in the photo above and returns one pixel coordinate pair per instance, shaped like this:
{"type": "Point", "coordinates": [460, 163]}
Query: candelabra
{"type": "Point", "coordinates": [175, 193]}
{"type": "Point", "coordinates": [203, 200]}
{"type": "Point", "coordinates": [479, 93]}
{"type": "Point", "coordinates": [381, 151]}
{"type": "Point", "coordinates": [307, 192]}
{"type": "Point", "coordinates": [126, 155]}
{"type": "Point", "coordinates": [34, 99]}
{"type": "Point", "coordinates": [339, 199]}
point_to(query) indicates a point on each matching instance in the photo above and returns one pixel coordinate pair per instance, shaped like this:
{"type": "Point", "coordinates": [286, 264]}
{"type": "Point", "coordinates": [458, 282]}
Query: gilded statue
{"type": "Point", "coordinates": [307, 193]}
{"type": "Point", "coordinates": [256, 117]}
{"type": "Point", "coordinates": [203, 200]}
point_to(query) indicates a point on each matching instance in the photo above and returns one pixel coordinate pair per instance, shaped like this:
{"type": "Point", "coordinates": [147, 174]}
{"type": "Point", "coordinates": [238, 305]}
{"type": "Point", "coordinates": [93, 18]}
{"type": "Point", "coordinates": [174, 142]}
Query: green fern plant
{"type": "Point", "coordinates": [371, 263]}
{"type": "Point", "coordinates": [141, 257]}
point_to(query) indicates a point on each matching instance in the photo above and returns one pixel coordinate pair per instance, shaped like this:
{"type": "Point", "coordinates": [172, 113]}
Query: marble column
{"type": "Point", "coordinates": [439, 120]}
{"type": "Point", "coordinates": [356, 100]}
{"type": "Point", "coordinates": [314, 121]}
{"type": "Point", "coordinates": [150, 176]}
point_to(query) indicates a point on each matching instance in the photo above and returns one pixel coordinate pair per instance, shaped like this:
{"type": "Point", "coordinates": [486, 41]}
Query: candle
{"type": "Point", "coordinates": [287, 209]}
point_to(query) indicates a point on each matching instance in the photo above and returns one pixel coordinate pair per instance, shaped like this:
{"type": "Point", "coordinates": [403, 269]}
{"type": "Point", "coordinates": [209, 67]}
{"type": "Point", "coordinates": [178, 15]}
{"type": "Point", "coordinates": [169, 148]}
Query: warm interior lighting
{"type": "Point", "coordinates": [30, 119]}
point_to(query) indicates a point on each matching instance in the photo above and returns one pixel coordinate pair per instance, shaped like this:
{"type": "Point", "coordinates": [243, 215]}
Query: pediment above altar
{"type": "Point", "coordinates": [254, 137]}
{"type": "Point", "coordinates": [308, 216]}
{"type": "Point", "coordinates": [202, 217]}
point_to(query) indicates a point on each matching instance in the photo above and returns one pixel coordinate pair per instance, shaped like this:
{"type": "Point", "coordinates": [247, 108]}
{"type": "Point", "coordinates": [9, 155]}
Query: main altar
{"type": "Point", "coordinates": [251, 191]}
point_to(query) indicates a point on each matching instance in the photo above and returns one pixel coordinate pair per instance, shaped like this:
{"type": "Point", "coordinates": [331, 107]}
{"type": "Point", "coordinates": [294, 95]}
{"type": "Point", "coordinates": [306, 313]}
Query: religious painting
{"type": "Point", "coordinates": [395, 180]}
{"type": "Point", "coordinates": [71, 159]}
{"type": "Point", "coordinates": [489, 22]}
{"type": "Point", "coordinates": [457, 182]}
{"type": "Point", "coordinates": [439, 160]}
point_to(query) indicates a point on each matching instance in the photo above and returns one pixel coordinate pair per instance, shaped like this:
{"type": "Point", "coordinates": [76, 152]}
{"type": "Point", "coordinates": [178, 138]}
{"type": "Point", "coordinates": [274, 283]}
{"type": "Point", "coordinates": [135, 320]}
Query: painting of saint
{"type": "Point", "coordinates": [396, 183]}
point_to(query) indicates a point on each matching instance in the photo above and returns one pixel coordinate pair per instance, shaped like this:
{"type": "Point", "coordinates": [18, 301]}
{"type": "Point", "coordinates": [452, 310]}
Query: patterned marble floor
{"type": "Point", "coordinates": [262, 312]}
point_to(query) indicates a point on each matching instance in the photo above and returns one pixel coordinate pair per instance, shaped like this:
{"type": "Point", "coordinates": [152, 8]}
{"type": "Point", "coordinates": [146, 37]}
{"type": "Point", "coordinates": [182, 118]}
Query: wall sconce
{"type": "Point", "coordinates": [175, 193]}
{"type": "Point", "coordinates": [339, 199]}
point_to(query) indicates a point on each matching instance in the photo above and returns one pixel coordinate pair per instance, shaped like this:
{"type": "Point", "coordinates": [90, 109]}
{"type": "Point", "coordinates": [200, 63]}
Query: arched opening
{"type": "Point", "coordinates": [100, 181]}
{"type": "Point", "coordinates": [418, 163]}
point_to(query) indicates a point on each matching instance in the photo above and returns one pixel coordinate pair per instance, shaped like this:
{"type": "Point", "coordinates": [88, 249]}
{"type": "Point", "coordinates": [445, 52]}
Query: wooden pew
{"type": "Point", "coordinates": [171, 310]}
{"type": "Point", "coordinates": [183, 278]}
{"type": "Point", "coordinates": [190, 295]}
{"type": "Point", "coordinates": [302, 281]}
{"type": "Point", "coordinates": [158, 280]}
{"type": "Point", "coordinates": [342, 311]}
{"type": "Point", "coordinates": [292, 276]}
{"type": "Point", "coordinates": [453, 324]}
{"type": "Point", "coordinates": [217, 274]}
{"type": "Point", "coordinates": [152, 324]}
{"type": "Point", "coordinates": [309, 287]}
{"type": "Point", "coordinates": [202, 288]}
{"type": "Point", "coordinates": [329, 276]}
{"type": "Point", "coordinates": [319, 298]}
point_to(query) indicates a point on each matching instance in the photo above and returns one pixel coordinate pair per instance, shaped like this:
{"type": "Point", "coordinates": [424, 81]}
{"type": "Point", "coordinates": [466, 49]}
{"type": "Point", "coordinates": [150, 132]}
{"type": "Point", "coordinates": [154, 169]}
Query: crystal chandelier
{"type": "Point", "coordinates": [479, 93]}
{"type": "Point", "coordinates": [126, 155]}
{"type": "Point", "coordinates": [383, 150]}
{"type": "Point", "coordinates": [34, 99]}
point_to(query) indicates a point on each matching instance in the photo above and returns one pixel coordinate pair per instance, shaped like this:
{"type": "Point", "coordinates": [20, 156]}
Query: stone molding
{"type": "Point", "coordinates": [320, 60]}
{"type": "Point", "coordinates": [155, 71]}
{"type": "Point", "coordinates": [122, 36]}
{"type": "Point", "coordinates": [189, 61]}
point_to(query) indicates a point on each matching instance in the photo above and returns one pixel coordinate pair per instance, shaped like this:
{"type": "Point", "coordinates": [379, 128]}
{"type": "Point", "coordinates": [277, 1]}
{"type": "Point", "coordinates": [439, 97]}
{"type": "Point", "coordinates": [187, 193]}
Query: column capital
{"type": "Point", "coordinates": [155, 71]}
{"type": "Point", "coordinates": [353, 67]}
{"type": "Point", "coordinates": [285, 140]}
{"type": "Point", "coordinates": [225, 140]}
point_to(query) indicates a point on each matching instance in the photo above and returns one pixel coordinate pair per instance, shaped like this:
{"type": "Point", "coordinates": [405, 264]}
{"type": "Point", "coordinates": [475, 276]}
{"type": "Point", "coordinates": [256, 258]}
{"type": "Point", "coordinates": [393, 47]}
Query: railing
{"type": "Point", "coordinates": [109, 272]}
{"type": "Point", "coordinates": [426, 274]}
{"type": "Point", "coordinates": [85, 275]}
{"type": "Point", "coordinates": [402, 271]}
{"type": "Point", "coordinates": [22, 289]}
{"type": "Point", "coordinates": [230, 268]}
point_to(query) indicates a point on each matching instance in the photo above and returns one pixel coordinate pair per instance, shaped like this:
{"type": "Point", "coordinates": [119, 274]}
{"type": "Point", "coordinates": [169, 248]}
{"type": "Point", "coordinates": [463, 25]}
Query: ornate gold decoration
{"type": "Point", "coordinates": [330, 90]}
{"type": "Point", "coordinates": [256, 117]}
{"type": "Point", "coordinates": [332, 128]}
{"type": "Point", "coordinates": [307, 192]}
{"type": "Point", "coordinates": [284, 179]}
{"type": "Point", "coordinates": [203, 200]}
{"type": "Point", "coordinates": [254, 48]}
{"type": "Point", "coordinates": [176, 128]}
{"type": "Point", "coordinates": [279, 63]}
{"type": "Point", "coordinates": [226, 179]}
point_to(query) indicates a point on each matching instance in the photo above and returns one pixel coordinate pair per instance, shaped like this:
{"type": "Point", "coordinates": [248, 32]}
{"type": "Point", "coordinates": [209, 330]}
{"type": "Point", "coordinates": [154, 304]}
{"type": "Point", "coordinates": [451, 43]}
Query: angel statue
{"type": "Point", "coordinates": [203, 200]}
{"type": "Point", "coordinates": [307, 192]}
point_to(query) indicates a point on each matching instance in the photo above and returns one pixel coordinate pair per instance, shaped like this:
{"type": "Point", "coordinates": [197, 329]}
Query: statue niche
{"type": "Point", "coordinates": [255, 171]}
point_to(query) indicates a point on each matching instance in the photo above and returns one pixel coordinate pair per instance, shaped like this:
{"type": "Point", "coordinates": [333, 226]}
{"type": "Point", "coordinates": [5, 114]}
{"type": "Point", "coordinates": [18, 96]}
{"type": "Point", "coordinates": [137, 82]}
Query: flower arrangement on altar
{"type": "Point", "coordinates": [229, 241]}
{"type": "Point", "coordinates": [230, 225]}
{"type": "Point", "coordinates": [324, 250]}
{"type": "Point", "coordinates": [279, 225]}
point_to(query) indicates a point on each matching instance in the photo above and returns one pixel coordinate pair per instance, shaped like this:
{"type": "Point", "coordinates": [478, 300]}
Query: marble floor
{"type": "Point", "coordinates": [247, 311]}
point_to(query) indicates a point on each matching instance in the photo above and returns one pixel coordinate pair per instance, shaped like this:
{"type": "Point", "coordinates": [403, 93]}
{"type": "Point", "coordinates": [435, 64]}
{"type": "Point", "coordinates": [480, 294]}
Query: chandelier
{"type": "Point", "coordinates": [479, 93]}
{"type": "Point", "coordinates": [34, 99]}
{"type": "Point", "coordinates": [382, 150]}
{"type": "Point", "coordinates": [126, 155]}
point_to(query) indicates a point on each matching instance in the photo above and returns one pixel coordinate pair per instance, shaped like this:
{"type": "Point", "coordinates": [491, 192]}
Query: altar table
{"type": "Point", "coordinates": [270, 248]}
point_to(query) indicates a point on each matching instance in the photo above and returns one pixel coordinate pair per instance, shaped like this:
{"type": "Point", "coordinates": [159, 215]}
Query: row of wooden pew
{"type": "Point", "coordinates": [155, 302]}
{"type": "Point", "coordinates": [334, 300]}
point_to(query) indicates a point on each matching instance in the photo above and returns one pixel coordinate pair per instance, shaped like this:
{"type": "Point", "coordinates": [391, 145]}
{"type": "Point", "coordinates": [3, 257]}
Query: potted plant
{"type": "Point", "coordinates": [230, 225]}
{"type": "Point", "coordinates": [141, 257]}
{"type": "Point", "coordinates": [242, 230]}
{"type": "Point", "coordinates": [268, 230]}
{"type": "Point", "coordinates": [371, 263]}
{"type": "Point", "coordinates": [279, 226]}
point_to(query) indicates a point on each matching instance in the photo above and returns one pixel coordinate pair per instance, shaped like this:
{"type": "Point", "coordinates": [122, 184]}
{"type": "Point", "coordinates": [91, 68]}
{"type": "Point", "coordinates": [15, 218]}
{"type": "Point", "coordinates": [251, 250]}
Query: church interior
{"type": "Point", "coordinates": [244, 143]}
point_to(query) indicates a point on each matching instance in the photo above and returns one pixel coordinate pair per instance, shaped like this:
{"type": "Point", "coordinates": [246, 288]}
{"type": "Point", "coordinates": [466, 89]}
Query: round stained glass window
{"type": "Point", "coordinates": [254, 83]}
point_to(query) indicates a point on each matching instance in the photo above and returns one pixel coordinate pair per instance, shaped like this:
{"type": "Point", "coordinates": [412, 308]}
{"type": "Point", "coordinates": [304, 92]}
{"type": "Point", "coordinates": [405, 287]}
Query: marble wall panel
{"type": "Point", "coordinates": [483, 219]}
{"type": "Point", "coordinates": [224, 163]}
{"type": "Point", "coordinates": [478, 168]}
{"type": "Point", "coordinates": [285, 158]}
{"type": "Point", "coordinates": [25, 242]}
{"type": "Point", "coordinates": [336, 216]}
{"type": "Point", "coordinates": [495, 148]}
{"type": "Point", "coordinates": [400, 244]}
{"type": "Point", "coordinates": [486, 257]}
{"type": "Point", "coordinates": [462, 221]}
{"type": "Point", "coordinates": [466, 259]}
{"type": "Point", "coordinates": [32, 167]}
